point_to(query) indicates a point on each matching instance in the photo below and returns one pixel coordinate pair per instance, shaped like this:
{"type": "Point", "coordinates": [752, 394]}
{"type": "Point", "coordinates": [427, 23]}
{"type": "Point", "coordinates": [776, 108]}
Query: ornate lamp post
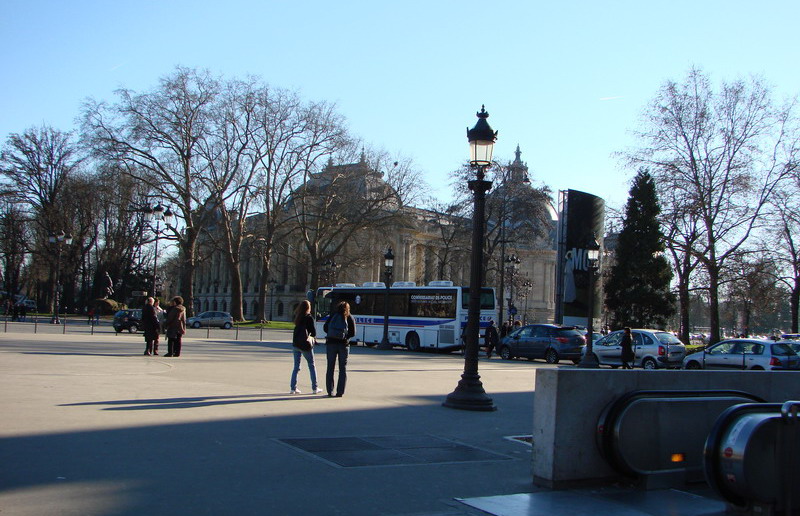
{"type": "Point", "coordinates": [469, 393]}
{"type": "Point", "coordinates": [513, 262]}
{"type": "Point", "coordinates": [527, 291]}
{"type": "Point", "coordinates": [158, 213]}
{"type": "Point", "coordinates": [589, 360]}
{"type": "Point", "coordinates": [272, 283]}
{"type": "Point", "coordinates": [389, 263]}
{"type": "Point", "coordinates": [59, 240]}
{"type": "Point", "coordinates": [330, 267]}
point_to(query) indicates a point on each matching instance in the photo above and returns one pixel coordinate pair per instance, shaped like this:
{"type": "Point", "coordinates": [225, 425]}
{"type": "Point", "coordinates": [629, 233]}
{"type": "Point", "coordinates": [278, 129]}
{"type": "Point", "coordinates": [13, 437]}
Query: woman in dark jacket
{"type": "Point", "coordinates": [303, 329]}
{"type": "Point", "coordinates": [150, 327]}
{"type": "Point", "coordinates": [627, 349]}
{"type": "Point", "coordinates": [339, 329]}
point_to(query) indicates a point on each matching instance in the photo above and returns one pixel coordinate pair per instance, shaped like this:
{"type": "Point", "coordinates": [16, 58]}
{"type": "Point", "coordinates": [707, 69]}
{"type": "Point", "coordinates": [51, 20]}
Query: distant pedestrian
{"type": "Point", "coordinates": [161, 314]}
{"type": "Point", "coordinates": [176, 326]}
{"type": "Point", "coordinates": [339, 329]}
{"type": "Point", "coordinates": [150, 327]}
{"type": "Point", "coordinates": [626, 344]}
{"type": "Point", "coordinates": [504, 329]}
{"type": "Point", "coordinates": [492, 339]}
{"type": "Point", "coordinates": [303, 346]}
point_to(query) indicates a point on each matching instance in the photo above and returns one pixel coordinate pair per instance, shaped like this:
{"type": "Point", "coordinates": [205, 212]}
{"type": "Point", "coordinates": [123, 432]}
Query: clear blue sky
{"type": "Point", "coordinates": [564, 80]}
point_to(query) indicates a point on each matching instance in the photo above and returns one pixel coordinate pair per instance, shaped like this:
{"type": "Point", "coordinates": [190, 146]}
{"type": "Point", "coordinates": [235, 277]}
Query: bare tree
{"type": "Point", "coordinates": [157, 136]}
{"type": "Point", "coordinates": [724, 153]}
{"type": "Point", "coordinates": [784, 245]}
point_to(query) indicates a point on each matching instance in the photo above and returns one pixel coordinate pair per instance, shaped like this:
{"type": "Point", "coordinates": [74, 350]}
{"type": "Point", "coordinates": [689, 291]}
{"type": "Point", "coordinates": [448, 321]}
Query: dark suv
{"type": "Point", "coordinates": [129, 320]}
{"type": "Point", "coordinates": [551, 342]}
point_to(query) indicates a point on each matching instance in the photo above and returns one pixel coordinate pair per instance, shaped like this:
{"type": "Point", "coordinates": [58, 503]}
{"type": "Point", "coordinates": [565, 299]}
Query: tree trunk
{"type": "Point", "coordinates": [684, 301]}
{"type": "Point", "coordinates": [794, 300]}
{"type": "Point", "coordinates": [713, 303]}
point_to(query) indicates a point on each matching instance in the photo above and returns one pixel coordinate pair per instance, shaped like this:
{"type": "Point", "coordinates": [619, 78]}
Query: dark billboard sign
{"type": "Point", "coordinates": [581, 219]}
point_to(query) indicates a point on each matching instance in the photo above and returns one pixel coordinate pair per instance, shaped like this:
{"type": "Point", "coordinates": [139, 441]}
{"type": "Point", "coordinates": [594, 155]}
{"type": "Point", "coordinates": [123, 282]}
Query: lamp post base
{"type": "Point", "coordinates": [469, 395]}
{"type": "Point", "coordinates": [589, 361]}
{"type": "Point", "coordinates": [384, 344]}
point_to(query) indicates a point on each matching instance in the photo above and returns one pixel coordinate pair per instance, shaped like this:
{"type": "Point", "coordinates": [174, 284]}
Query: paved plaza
{"type": "Point", "coordinates": [90, 426]}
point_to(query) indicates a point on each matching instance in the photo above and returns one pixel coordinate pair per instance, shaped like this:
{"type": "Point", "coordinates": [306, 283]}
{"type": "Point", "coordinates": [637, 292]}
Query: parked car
{"type": "Point", "coordinates": [754, 354]}
{"type": "Point", "coordinates": [129, 320]}
{"type": "Point", "coordinates": [790, 336]}
{"type": "Point", "coordinates": [653, 349]}
{"type": "Point", "coordinates": [550, 342]}
{"type": "Point", "coordinates": [792, 343]}
{"type": "Point", "coordinates": [222, 319]}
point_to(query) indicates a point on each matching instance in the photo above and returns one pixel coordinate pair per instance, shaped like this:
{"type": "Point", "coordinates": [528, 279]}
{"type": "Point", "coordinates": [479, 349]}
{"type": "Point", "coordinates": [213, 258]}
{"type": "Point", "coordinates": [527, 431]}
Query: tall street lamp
{"type": "Point", "coordinates": [469, 393]}
{"type": "Point", "coordinates": [389, 263]}
{"type": "Point", "coordinates": [330, 267]}
{"type": "Point", "coordinates": [589, 359]}
{"type": "Point", "coordinates": [272, 283]}
{"type": "Point", "coordinates": [158, 213]}
{"type": "Point", "coordinates": [59, 240]}
{"type": "Point", "coordinates": [513, 262]}
{"type": "Point", "coordinates": [527, 285]}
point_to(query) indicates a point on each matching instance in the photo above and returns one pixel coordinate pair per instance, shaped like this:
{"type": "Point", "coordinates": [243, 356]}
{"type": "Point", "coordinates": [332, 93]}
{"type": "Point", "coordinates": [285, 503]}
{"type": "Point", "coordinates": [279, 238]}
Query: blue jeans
{"type": "Point", "coordinates": [336, 351]}
{"type": "Point", "coordinates": [309, 355]}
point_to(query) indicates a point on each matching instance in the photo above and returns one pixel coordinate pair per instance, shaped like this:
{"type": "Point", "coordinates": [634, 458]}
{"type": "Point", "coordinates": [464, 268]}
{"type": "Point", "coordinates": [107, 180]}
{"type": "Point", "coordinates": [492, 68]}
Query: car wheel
{"type": "Point", "coordinates": [196, 324]}
{"type": "Point", "coordinates": [412, 341]}
{"type": "Point", "coordinates": [649, 363]}
{"type": "Point", "coordinates": [226, 326]}
{"type": "Point", "coordinates": [575, 361]}
{"type": "Point", "coordinates": [505, 353]}
{"type": "Point", "coordinates": [133, 328]}
{"type": "Point", "coordinates": [550, 356]}
{"type": "Point", "coordinates": [693, 365]}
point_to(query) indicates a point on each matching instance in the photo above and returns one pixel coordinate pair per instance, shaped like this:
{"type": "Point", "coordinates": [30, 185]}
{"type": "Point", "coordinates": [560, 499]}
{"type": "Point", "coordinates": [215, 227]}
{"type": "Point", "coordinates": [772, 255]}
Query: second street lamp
{"type": "Point", "coordinates": [589, 359]}
{"type": "Point", "coordinates": [157, 214]}
{"type": "Point", "coordinates": [389, 263]}
{"type": "Point", "coordinates": [58, 240]}
{"type": "Point", "coordinates": [469, 393]}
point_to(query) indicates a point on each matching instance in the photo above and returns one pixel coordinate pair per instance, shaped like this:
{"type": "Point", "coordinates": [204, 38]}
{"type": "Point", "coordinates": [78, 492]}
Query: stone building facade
{"type": "Point", "coordinates": [420, 256]}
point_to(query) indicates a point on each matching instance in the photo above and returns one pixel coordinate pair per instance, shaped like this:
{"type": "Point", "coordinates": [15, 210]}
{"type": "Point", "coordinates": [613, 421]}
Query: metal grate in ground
{"type": "Point", "coordinates": [361, 452]}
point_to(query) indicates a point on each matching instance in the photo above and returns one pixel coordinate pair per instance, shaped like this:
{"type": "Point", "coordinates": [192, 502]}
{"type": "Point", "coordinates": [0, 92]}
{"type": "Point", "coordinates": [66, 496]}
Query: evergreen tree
{"type": "Point", "coordinates": [638, 290]}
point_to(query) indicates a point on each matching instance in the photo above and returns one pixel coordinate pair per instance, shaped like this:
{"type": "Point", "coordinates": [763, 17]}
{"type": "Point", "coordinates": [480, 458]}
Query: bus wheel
{"type": "Point", "coordinates": [370, 344]}
{"type": "Point", "coordinates": [412, 341]}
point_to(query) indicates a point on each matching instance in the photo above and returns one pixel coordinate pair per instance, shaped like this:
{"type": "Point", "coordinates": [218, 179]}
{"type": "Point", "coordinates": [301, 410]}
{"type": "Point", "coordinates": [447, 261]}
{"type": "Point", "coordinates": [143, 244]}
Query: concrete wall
{"type": "Point", "coordinates": [568, 403]}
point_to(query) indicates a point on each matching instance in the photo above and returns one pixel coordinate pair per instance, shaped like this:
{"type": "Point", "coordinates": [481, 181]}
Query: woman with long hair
{"type": "Point", "coordinates": [339, 329]}
{"type": "Point", "coordinates": [304, 331]}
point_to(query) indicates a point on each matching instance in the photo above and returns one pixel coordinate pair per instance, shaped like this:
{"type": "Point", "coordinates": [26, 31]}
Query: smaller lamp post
{"type": "Point", "coordinates": [513, 262]}
{"type": "Point", "coordinates": [59, 240]}
{"type": "Point", "coordinates": [527, 286]}
{"type": "Point", "coordinates": [589, 359]}
{"type": "Point", "coordinates": [330, 267]}
{"type": "Point", "coordinates": [272, 283]}
{"type": "Point", "coordinates": [158, 213]}
{"type": "Point", "coordinates": [389, 263]}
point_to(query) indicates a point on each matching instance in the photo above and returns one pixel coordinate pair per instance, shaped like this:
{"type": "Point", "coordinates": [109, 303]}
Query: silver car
{"type": "Point", "coordinates": [222, 319]}
{"type": "Point", "coordinates": [653, 349]}
{"type": "Point", "coordinates": [756, 354]}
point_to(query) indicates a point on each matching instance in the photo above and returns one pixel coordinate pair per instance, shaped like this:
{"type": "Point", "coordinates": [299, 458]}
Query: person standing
{"type": "Point", "coordinates": [161, 314]}
{"type": "Point", "coordinates": [627, 349]}
{"type": "Point", "coordinates": [176, 327]}
{"type": "Point", "coordinates": [339, 329]}
{"type": "Point", "coordinates": [304, 330]}
{"type": "Point", "coordinates": [492, 339]}
{"type": "Point", "coordinates": [150, 327]}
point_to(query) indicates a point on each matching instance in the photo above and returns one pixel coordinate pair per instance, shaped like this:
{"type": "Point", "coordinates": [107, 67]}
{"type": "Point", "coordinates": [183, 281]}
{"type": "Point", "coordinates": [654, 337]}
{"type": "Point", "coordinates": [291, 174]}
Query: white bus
{"type": "Point", "coordinates": [420, 317]}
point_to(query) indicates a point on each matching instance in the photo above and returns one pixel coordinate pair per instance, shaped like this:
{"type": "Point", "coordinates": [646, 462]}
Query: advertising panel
{"type": "Point", "coordinates": [582, 218]}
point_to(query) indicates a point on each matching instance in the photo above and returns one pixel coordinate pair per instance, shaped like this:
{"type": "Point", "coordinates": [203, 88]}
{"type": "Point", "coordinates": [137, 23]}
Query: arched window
{"type": "Point", "coordinates": [224, 305]}
{"type": "Point", "coordinates": [244, 308]}
{"type": "Point", "coordinates": [205, 305]}
{"type": "Point", "coordinates": [280, 308]}
{"type": "Point", "coordinates": [256, 313]}
{"type": "Point", "coordinates": [215, 306]}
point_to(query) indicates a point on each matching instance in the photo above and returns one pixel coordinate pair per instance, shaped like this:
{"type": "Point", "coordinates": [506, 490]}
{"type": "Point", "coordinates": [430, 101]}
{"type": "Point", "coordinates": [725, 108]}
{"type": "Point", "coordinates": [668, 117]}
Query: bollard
{"type": "Point", "coordinates": [261, 334]}
{"type": "Point", "coordinates": [208, 332]}
{"type": "Point", "coordinates": [35, 325]}
{"type": "Point", "coordinates": [237, 332]}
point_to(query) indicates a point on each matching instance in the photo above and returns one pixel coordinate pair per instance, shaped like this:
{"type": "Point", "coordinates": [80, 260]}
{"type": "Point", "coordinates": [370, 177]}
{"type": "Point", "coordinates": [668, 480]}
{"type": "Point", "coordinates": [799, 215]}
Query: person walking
{"type": "Point", "coordinates": [491, 338]}
{"type": "Point", "coordinates": [339, 329]}
{"type": "Point", "coordinates": [176, 326]}
{"type": "Point", "coordinates": [626, 343]}
{"type": "Point", "coordinates": [150, 327]}
{"type": "Point", "coordinates": [303, 346]}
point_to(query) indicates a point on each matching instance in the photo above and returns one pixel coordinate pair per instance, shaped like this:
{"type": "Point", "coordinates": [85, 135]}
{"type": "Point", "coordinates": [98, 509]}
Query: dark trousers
{"type": "Point", "coordinates": [336, 351]}
{"type": "Point", "coordinates": [174, 346]}
{"type": "Point", "coordinates": [151, 344]}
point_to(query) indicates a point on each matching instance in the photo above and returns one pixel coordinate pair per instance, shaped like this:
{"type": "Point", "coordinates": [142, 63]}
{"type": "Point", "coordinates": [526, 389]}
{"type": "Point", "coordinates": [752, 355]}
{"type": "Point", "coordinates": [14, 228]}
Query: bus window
{"type": "Point", "coordinates": [487, 298]}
